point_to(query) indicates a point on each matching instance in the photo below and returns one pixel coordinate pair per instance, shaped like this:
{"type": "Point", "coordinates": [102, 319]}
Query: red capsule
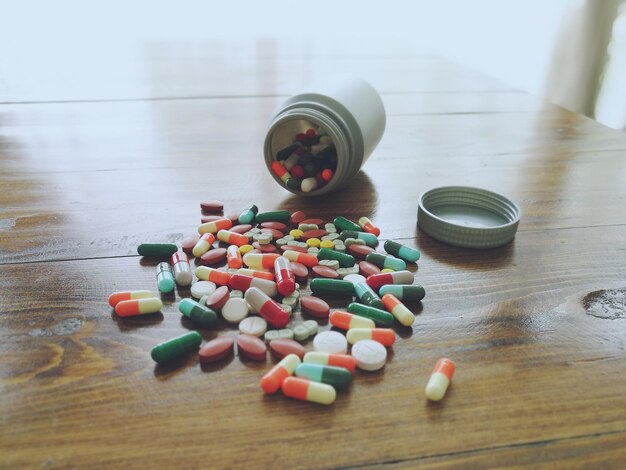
{"type": "Point", "coordinates": [267, 308]}
{"type": "Point", "coordinates": [285, 279]}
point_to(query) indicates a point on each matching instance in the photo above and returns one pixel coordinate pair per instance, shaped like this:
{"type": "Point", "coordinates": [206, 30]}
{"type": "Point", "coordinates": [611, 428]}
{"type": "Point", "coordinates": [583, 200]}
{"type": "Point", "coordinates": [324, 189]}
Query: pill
{"type": "Point", "coordinates": [232, 238]}
{"type": "Point", "coordinates": [236, 294]}
{"type": "Point", "coordinates": [157, 250]}
{"type": "Point", "coordinates": [284, 333]}
{"type": "Point", "coordinates": [235, 310]}
{"type": "Point", "coordinates": [385, 336]}
{"type": "Point", "coordinates": [204, 244]}
{"type": "Point", "coordinates": [285, 278]}
{"type": "Point", "coordinates": [315, 233]}
{"type": "Point", "coordinates": [176, 347]}
{"type": "Point", "coordinates": [142, 306]}
{"type": "Point", "coordinates": [345, 260]}
{"type": "Point", "coordinates": [273, 233]}
{"type": "Point", "coordinates": [312, 221]}
{"type": "Point", "coordinates": [337, 377]}
{"type": "Point", "coordinates": [201, 315]}
{"type": "Point", "coordinates": [343, 272]}
{"type": "Point", "coordinates": [367, 296]}
{"type": "Point", "coordinates": [306, 390]}
{"type": "Point", "coordinates": [314, 306]}
{"type": "Point", "coordinates": [402, 251]}
{"type": "Point", "coordinates": [369, 238]}
{"type": "Point", "coordinates": [440, 379]}
{"type": "Point", "coordinates": [291, 300]}
{"type": "Point", "coordinates": [367, 226]}
{"type": "Point", "coordinates": [347, 321]}
{"type": "Point", "coordinates": [327, 244]}
{"type": "Point", "coordinates": [255, 273]}
{"type": "Point", "coordinates": [273, 216]}
{"type": "Point", "coordinates": [330, 228]}
{"type": "Point", "coordinates": [332, 237]}
{"type": "Point", "coordinates": [216, 349]}
{"type": "Point", "coordinates": [353, 241]}
{"type": "Point", "coordinates": [405, 292]}
{"type": "Point", "coordinates": [212, 206]}
{"type": "Point", "coordinates": [297, 217]}
{"type": "Point", "coordinates": [280, 171]}
{"type": "Point", "coordinates": [375, 281]}
{"type": "Point", "coordinates": [255, 326]}
{"type": "Point", "coordinates": [331, 263]}
{"type": "Point", "coordinates": [205, 273]}
{"type": "Point", "coordinates": [369, 355]}
{"type": "Point", "coordinates": [165, 278]}
{"type": "Point", "coordinates": [243, 283]}
{"type": "Point", "coordinates": [313, 242]}
{"type": "Point", "coordinates": [117, 297]}
{"type": "Point", "coordinates": [360, 251]}
{"type": "Point", "coordinates": [299, 270]}
{"type": "Point", "coordinates": [304, 258]}
{"type": "Point", "coordinates": [245, 249]}
{"type": "Point", "coordinates": [188, 243]}
{"type": "Point", "coordinates": [215, 256]}
{"type": "Point", "coordinates": [247, 215]}
{"type": "Point", "coordinates": [308, 185]}
{"type": "Point", "coordinates": [215, 226]}
{"type": "Point", "coordinates": [305, 330]}
{"type": "Point", "coordinates": [304, 227]}
{"type": "Point", "coordinates": [380, 317]}
{"type": "Point", "coordinates": [202, 288]}
{"type": "Point", "coordinates": [327, 174]}
{"type": "Point", "coordinates": [386, 261]}
{"type": "Point", "coordinates": [267, 308]}
{"type": "Point", "coordinates": [260, 260]}
{"type": "Point", "coordinates": [367, 269]}
{"type": "Point", "coordinates": [338, 360]}
{"type": "Point", "coordinates": [325, 271]}
{"type": "Point", "coordinates": [182, 269]}
{"type": "Point", "coordinates": [241, 228]}
{"type": "Point", "coordinates": [344, 224]}
{"type": "Point", "coordinates": [210, 218]}
{"type": "Point", "coordinates": [218, 298]}
{"type": "Point", "coordinates": [233, 257]}
{"type": "Point", "coordinates": [398, 310]}
{"type": "Point", "coordinates": [387, 270]}
{"type": "Point", "coordinates": [331, 342]}
{"type": "Point", "coordinates": [283, 347]}
{"type": "Point", "coordinates": [251, 347]}
{"type": "Point", "coordinates": [331, 286]}
{"type": "Point", "coordinates": [272, 380]}
{"type": "Point", "coordinates": [354, 278]}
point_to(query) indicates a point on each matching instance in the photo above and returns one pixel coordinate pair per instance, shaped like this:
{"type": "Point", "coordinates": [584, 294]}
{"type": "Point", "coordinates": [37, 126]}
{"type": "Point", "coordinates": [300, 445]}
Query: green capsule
{"type": "Point", "coordinates": [367, 296]}
{"type": "Point", "coordinates": [320, 285]}
{"type": "Point", "coordinates": [386, 261]}
{"type": "Point", "coordinates": [273, 216]}
{"type": "Point", "coordinates": [409, 293]}
{"type": "Point", "coordinates": [157, 250]}
{"type": "Point", "coordinates": [294, 183]}
{"type": "Point", "coordinates": [402, 251]}
{"type": "Point", "coordinates": [165, 277]}
{"type": "Point", "coordinates": [247, 215]}
{"type": "Point", "coordinates": [344, 224]}
{"type": "Point", "coordinates": [200, 314]}
{"type": "Point", "coordinates": [287, 151]}
{"type": "Point", "coordinates": [345, 260]}
{"type": "Point", "coordinates": [338, 377]}
{"type": "Point", "coordinates": [380, 317]}
{"type": "Point", "coordinates": [175, 347]}
{"type": "Point", "coordinates": [369, 238]}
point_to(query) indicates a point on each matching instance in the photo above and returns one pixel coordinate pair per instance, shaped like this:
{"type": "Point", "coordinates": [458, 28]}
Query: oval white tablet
{"type": "Point", "coordinates": [369, 354]}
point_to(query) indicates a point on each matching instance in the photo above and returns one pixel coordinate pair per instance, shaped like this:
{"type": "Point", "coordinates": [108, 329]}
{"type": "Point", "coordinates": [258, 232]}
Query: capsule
{"type": "Point", "coordinates": [165, 278]}
{"type": "Point", "coordinates": [302, 389]}
{"type": "Point", "coordinates": [367, 295]}
{"type": "Point", "coordinates": [280, 171]}
{"type": "Point", "coordinates": [215, 226]}
{"type": "Point", "coordinates": [440, 379]}
{"type": "Point", "coordinates": [375, 281]}
{"type": "Point", "coordinates": [233, 257]}
{"type": "Point", "coordinates": [369, 238]}
{"type": "Point", "coordinates": [307, 259]}
{"type": "Point", "coordinates": [203, 245]}
{"type": "Point", "coordinates": [398, 310]}
{"type": "Point", "coordinates": [176, 347]}
{"type": "Point", "coordinates": [117, 297]}
{"type": "Point", "coordinates": [273, 216]}
{"type": "Point", "coordinates": [345, 260]}
{"type": "Point", "coordinates": [386, 261]}
{"type": "Point", "coordinates": [157, 250]}
{"type": "Point", "coordinates": [255, 273]}
{"type": "Point", "coordinates": [131, 308]}
{"type": "Point", "coordinates": [409, 293]}
{"type": "Point", "coordinates": [182, 268]}
{"type": "Point", "coordinates": [200, 314]}
{"type": "Point", "coordinates": [271, 311]}
{"type": "Point", "coordinates": [347, 321]}
{"type": "Point", "coordinates": [243, 283]}
{"type": "Point", "coordinates": [344, 224]}
{"type": "Point", "coordinates": [380, 317]}
{"type": "Point", "coordinates": [327, 359]}
{"type": "Point", "coordinates": [385, 336]}
{"type": "Point", "coordinates": [271, 382]}
{"type": "Point", "coordinates": [247, 215]}
{"type": "Point", "coordinates": [232, 238]}
{"type": "Point", "coordinates": [205, 273]}
{"type": "Point", "coordinates": [322, 286]}
{"type": "Point", "coordinates": [260, 260]}
{"type": "Point", "coordinates": [337, 377]}
{"type": "Point", "coordinates": [367, 226]}
{"type": "Point", "coordinates": [402, 251]}
{"type": "Point", "coordinates": [285, 279]}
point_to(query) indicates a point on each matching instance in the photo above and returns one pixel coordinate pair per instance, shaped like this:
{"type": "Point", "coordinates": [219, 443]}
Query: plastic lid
{"type": "Point", "coordinates": [468, 217]}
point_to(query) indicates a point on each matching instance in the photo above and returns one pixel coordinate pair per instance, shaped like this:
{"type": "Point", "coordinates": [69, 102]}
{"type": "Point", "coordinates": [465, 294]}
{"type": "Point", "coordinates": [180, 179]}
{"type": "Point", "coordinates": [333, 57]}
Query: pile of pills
{"type": "Point", "coordinates": [308, 163]}
{"type": "Point", "coordinates": [250, 267]}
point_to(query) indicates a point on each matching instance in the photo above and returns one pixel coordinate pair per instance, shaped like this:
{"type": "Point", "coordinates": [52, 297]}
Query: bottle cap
{"type": "Point", "coordinates": [468, 217]}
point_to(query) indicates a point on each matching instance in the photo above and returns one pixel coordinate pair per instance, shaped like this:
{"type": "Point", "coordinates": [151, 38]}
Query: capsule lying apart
{"type": "Point", "coordinates": [306, 390]}
{"type": "Point", "coordinates": [440, 379]}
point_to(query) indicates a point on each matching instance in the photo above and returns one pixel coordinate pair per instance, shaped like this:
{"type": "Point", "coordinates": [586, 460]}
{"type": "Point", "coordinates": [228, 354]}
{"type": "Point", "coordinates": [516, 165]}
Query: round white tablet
{"type": "Point", "coordinates": [234, 310]}
{"type": "Point", "coordinates": [330, 342]}
{"type": "Point", "coordinates": [354, 278]}
{"type": "Point", "coordinates": [255, 326]}
{"type": "Point", "coordinates": [369, 354]}
{"type": "Point", "coordinates": [201, 288]}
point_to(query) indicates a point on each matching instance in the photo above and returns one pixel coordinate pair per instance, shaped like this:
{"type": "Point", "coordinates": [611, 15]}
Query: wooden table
{"type": "Point", "coordinates": [96, 161]}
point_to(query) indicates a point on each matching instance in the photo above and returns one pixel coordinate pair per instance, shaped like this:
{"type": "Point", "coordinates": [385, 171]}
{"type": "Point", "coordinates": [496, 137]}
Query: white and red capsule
{"type": "Point", "coordinates": [243, 283]}
{"type": "Point", "coordinates": [267, 308]}
{"type": "Point", "coordinates": [375, 281]}
{"type": "Point", "coordinates": [285, 279]}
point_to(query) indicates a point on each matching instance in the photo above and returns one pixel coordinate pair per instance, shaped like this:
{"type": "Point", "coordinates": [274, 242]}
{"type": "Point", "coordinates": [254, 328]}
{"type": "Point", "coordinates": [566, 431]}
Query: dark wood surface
{"type": "Point", "coordinates": [89, 169]}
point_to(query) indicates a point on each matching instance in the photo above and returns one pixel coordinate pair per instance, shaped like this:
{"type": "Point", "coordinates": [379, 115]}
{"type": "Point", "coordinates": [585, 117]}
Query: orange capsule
{"type": "Point", "coordinates": [233, 257]}
{"type": "Point", "coordinates": [215, 226]}
{"type": "Point", "coordinates": [254, 273]}
{"type": "Point", "coordinates": [327, 359]}
{"type": "Point", "coordinates": [280, 171]}
{"type": "Point", "coordinates": [260, 260]}
{"type": "Point", "coordinates": [131, 308]}
{"type": "Point", "coordinates": [307, 259]}
{"type": "Point", "coordinates": [302, 389]}
{"type": "Point", "coordinates": [271, 382]}
{"type": "Point", "coordinates": [204, 244]}
{"type": "Point", "coordinates": [117, 297]}
{"type": "Point", "coordinates": [367, 226]}
{"type": "Point", "coordinates": [232, 238]}
{"type": "Point", "coordinates": [440, 379]}
{"type": "Point", "coordinates": [384, 336]}
{"type": "Point", "coordinates": [204, 273]}
{"type": "Point", "coordinates": [347, 321]}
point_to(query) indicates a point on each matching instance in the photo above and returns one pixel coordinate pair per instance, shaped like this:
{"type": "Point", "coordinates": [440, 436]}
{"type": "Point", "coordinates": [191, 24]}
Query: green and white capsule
{"type": "Point", "coordinates": [165, 278]}
{"type": "Point", "coordinates": [386, 261]}
{"type": "Point", "coordinates": [344, 224]}
{"type": "Point", "coordinates": [369, 238]}
{"type": "Point", "coordinates": [200, 314]}
{"type": "Point", "coordinates": [367, 295]}
{"type": "Point", "coordinates": [338, 377]}
{"type": "Point", "coordinates": [408, 293]}
{"type": "Point", "coordinates": [402, 251]}
{"type": "Point", "coordinates": [176, 347]}
{"type": "Point", "coordinates": [247, 215]}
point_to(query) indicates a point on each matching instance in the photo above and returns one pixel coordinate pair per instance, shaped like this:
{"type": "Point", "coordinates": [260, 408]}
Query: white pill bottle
{"type": "Point", "coordinates": [347, 116]}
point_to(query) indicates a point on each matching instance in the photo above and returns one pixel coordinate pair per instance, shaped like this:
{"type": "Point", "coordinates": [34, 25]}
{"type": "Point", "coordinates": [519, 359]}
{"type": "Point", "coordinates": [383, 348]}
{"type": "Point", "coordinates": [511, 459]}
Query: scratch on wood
{"type": "Point", "coordinates": [606, 304]}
